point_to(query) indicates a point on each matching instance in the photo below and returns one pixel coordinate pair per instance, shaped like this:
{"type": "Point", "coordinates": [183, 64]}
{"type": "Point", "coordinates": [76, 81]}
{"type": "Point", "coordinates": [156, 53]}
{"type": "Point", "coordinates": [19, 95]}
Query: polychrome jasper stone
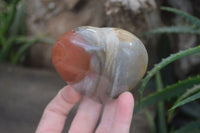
{"type": "Point", "coordinates": [101, 63]}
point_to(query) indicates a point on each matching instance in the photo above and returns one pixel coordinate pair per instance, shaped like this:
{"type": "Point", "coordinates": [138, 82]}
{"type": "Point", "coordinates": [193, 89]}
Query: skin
{"type": "Point", "coordinates": [116, 118]}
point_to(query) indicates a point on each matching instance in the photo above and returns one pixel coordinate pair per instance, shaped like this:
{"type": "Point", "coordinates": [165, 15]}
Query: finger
{"type": "Point", "coordinates": [87, 116]}
{"type": "Point", "coordinates": [55, 114]}
{"type": "Point", "coordinates": [107, 117]}
{"type": "Point", "coordinates": [123, 114]}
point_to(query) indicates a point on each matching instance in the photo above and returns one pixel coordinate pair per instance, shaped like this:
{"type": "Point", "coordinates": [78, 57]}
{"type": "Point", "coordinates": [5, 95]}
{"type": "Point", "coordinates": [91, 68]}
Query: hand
{"type": "Point", "coordinates": [116, 117]}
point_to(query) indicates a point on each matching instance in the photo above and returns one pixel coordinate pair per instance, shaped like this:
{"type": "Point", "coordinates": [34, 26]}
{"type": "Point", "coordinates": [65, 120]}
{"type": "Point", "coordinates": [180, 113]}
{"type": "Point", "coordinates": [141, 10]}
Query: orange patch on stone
{"type": "Point", "coordinates": [71, 60]}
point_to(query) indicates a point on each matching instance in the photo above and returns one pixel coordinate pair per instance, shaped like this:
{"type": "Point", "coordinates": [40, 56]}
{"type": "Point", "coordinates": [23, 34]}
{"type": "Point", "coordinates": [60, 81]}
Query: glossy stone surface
{"type": "Point", "coordinates": [100, 62]}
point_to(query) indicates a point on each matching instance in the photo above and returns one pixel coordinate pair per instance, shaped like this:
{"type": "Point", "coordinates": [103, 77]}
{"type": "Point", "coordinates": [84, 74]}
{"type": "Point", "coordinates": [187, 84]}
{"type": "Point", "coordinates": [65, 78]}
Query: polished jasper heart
{"type": "Point", "coordinates": [100, 62]}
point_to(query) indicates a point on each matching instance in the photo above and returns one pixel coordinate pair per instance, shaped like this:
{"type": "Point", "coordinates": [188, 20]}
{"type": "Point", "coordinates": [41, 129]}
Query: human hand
{"type": "Point", "coordinates": [116, 116]}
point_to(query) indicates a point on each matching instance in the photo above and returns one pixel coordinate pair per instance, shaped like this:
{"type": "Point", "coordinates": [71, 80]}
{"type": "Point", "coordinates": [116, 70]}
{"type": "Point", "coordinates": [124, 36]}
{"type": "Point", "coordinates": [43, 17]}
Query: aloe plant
{"type": "Point", "coordinates": [166, 61]}
{"type": "Point", "coordinates": [183, 99]}
{"type": "Point", "coordinates": [184, 91]}
{"type": "Point", "coordinates": [193, 127]}
{"type": "Point", "coordinates": [191, 98]}
{"type": "Point", "coordinates": [13, 40]}
{"type": "Point", "coordinates": [192, 28]}
{"type": "Point", "coordinates": [162, 128]}
{"type": "Point", "coordinates": [168, 92]}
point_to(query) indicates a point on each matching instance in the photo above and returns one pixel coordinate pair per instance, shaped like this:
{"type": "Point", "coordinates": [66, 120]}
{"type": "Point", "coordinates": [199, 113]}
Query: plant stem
{"type": "Point", "coordinates": [161, 108]}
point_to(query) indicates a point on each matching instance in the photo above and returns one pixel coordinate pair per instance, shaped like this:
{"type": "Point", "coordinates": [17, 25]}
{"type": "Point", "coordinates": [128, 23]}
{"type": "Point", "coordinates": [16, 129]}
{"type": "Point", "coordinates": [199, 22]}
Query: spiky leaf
{"type": "Point", "coordinates": [193, 20]}
{"type": "Point", "coordinates": [173, 29]}
{"type": "Point", "coordinates": [168, 92]}
{"type": "Point", "coordinates": [189, 92]}
{"type": "Point", "coordinates": [193, 127]}
{"type": "Point", "coordinates": [187, 100]}
{"type": "Point", "coordinates": [165, 62]}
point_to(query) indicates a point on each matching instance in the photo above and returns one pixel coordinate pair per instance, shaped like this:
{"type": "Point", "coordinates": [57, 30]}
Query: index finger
{"type": "Point", "coordinates": [56, 112]}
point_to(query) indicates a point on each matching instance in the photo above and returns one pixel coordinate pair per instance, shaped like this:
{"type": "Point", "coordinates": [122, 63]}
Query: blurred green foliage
{"type": "Point", "coordinates": [185, 91]}
{"type": "Point", "coordinates": [14, 43]}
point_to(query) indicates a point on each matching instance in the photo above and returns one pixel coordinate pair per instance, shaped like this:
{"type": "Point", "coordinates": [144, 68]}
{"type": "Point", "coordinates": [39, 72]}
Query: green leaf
{"type": "Point", "coordinates": [173, 29]}
{"type": "Point", "coordinates": [6, 48]}
{"type": "Point", "coordinates": [168, 92]}
{"type": "Point", "coordinates": [23, 49]}
{"type": "Point", "coordinates": [1, 20]}
{"type": "Point", "coordinates": [191, 110]}
{"type": "Point", "coordinates": [47, 40]}
{"type": "Point", "coordinates": [187, 100]}
{"type": "Point", "coordinates": [5, 51]}
{"type": "Point", "coordinates": [11, 17]}
{"type": "Point", "coordinates": [2, 40]}
{"type": "Point", "coordinates": [193, 127]}
{"type": "Point", "coordinates": [165, 62]}
{"type": "Point", "coordinates": [3, 5]}
{"type": "Point", "coordinates": [193, 20]}
{"type": "Point", "coordinates": [161, 109]}
{"type": "Point", "coordinates": [151, 122]}
{"type": "Point", "coordinates": [189, 92]}
{"type": "Point", "coordinates": [20, 41]}
{"type": "Point", "coordinates": [18, 25]}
